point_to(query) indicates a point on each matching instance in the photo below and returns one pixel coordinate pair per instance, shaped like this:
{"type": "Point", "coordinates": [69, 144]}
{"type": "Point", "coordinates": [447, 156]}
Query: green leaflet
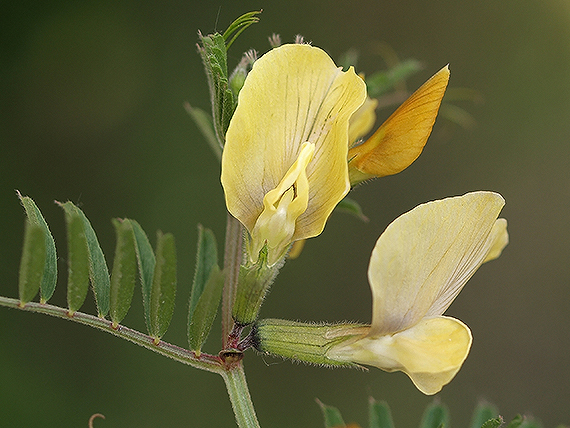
{"type": "Point", "coordinates": [436, 415]}
{"type": "Point", "coordinates": [206, 290]}
{"type": "Point", "coordinates": [49, 276]}
{"type": "Point", "coordinates": [77, 258]}
{"type": "Point", "coordinates": [82, 234]}
{"type": "Point", "coordinates": [379, 414]}
{"type": "Point", "coordinates": [332, 416]}
{"type": "Point", "coordinates": [163, 290]}
{"type": "Point", "coordinates": [123, 276]}
{"type": "Point", "coordinates": [483, 414]}
{"type": "Point", "coordinates": [98, 271]}
{"type": "Point", "coordinates": [146, 262]}
{"type": "Point", "coordinates": [206, 259]}
{"type": "Point", "coordinates": [32, 262]}
{"type": "Point", "coordinates": [204, 314]}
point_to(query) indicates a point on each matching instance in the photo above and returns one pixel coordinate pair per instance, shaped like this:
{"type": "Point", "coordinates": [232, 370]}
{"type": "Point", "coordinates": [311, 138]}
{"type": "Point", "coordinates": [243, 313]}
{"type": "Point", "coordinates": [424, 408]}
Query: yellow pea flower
{"type": "Point", "coordinates": [284, 165]}
{"type": "Point", "coordinates": [417, 268]}
{"type": "Point", "coordinates": [401, 138]}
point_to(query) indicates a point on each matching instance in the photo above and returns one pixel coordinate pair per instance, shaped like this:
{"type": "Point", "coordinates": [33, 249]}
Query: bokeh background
{"type": "Point", "coordinates": [91, 110]}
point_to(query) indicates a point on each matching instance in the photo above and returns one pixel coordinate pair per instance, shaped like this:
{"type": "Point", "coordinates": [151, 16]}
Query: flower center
{"type": "Point", "coordinates": [281, 207]}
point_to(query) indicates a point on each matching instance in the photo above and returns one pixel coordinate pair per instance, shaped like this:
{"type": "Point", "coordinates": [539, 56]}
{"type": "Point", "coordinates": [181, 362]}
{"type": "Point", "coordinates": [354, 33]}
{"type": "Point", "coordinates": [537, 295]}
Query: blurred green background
{"type": "Point", "coordinates": [91, 110]}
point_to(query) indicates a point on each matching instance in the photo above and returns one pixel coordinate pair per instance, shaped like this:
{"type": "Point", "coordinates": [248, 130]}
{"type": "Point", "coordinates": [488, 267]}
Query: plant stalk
{"type": "Point", "coordinates": [234, 375]}
{"type": "Point", "coordinates": [204, 361]}
{"type": "Point", "coordinates": [232, 261]}
{"type": "Point", "coordinates": [240, 398]}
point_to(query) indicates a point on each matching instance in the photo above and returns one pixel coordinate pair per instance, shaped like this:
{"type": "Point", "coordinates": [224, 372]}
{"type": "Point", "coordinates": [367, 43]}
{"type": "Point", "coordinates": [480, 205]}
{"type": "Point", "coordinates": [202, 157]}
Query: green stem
{"type": "Point", "coordinates": [234, 375]}
{"type": "Point", "coordinates": [204, 361]}
{"type": "Point", "coordinates": [240, 398]}
{"type": "Point", "coordinates": [232, 261]}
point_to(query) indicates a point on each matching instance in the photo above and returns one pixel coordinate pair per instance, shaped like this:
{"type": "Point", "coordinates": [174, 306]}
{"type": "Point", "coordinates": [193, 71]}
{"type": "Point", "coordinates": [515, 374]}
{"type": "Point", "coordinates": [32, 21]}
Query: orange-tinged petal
{"type": "Point", "coordinates": [401, 138]}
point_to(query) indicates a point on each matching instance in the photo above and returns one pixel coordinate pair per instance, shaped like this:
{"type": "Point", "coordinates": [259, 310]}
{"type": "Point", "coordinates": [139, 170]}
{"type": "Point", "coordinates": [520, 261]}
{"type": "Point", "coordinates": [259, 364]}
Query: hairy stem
{"type": "Point", "coordinates": [240, 398]}
{"type": "Point", "coordinates": [234, 375]}
{"type": "Point", "coordinates": [232, 261]}
{"type": "Point", "coordinates": [204, 361]}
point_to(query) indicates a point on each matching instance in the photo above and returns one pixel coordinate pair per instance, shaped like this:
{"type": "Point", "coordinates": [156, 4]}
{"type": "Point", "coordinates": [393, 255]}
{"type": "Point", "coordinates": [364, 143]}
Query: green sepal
{"type": "Point", "coordinates": [350, 206]}
{"type": "Point", "coordinates": [381, 82]}
{"type": "Point", "coordinates": [203, 316]}
{"type": "Point", "coordinates": [206, 126]}
{"type": "Point", "coordinates": [304, 342]}
{"type": "Point", "coordinates": [77, 258]}
{"type": "Point", "coordinates": [163, 292]}
{"type": "Point", "coordinates": [332, 416]}
{"type": "Point", "coordinates": [379, 414]}
{"type": "Point", "coordinates": [98, 270]}
{"type": "Point", "coordinates": [253, 283]}
{"type": "Point", "coordinates": [492, 423]}
{"type": "Point", "coordinates": [436, 415]}
{"type": "Point", "coordinates": [206, 259]}
{"type": "Point", "coordinates": [146, 262]}
{"type": "Point", "coordinates": [32, 263]}
{"type": "Point", "coordinates": [49, 276]}
{"type": "Point", "coordinates": [483, 413]}
{"type": "Point", "coordinates": [124, 273]}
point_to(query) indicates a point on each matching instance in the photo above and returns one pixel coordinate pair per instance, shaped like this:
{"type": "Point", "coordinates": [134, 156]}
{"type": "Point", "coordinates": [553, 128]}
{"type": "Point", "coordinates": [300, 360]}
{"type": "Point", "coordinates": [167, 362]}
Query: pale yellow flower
{"type": "Point", "coordinates": [417, 268]}
{"type": "Point", "coordinates": [284, 164]}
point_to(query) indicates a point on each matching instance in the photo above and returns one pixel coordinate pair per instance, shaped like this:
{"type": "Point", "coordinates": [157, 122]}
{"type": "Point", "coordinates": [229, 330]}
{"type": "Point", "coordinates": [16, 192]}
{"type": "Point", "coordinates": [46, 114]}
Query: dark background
{"type": "Point", "coordinates": [91, 110]}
